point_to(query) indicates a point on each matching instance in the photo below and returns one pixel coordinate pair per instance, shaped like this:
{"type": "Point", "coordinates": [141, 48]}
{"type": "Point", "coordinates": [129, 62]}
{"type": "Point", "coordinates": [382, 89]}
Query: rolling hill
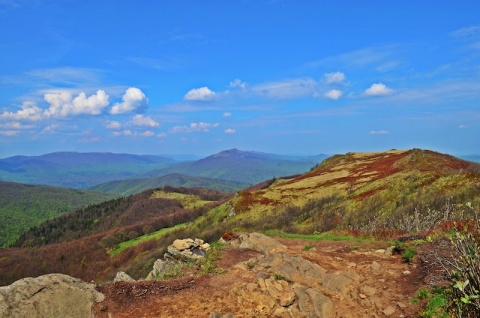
{"type": "Point", "coordinates": [394, 189]}
{"type": "Point", "coordinates": [23, 206]}
{"type": "Point", "coordinates": [242, 166]}
{"type": "Point", "coordinates": [133, 186]}
{"type": "Point", "coordinates": [77, 170]}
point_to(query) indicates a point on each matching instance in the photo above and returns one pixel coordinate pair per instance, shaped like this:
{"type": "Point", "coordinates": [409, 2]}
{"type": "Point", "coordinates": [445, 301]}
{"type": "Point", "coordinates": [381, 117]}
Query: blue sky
{"type": "Point", "coordinates": [198, 77]}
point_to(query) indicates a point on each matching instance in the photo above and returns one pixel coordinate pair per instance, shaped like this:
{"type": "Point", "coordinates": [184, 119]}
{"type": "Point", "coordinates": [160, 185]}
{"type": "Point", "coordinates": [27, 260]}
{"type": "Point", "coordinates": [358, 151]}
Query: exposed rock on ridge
{"type": "Point", "coordinates": [52, 295]}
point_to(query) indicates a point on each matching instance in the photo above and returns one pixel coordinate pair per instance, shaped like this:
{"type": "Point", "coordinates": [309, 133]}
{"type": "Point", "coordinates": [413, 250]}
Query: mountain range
{"type": "Point", "coordinates": [84, 170]}
{"type": "Point", "coordinates": [77, 170]}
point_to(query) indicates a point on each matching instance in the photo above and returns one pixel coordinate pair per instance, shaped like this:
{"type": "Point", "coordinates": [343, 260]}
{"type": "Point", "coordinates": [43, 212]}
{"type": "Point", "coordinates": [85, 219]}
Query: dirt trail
{"type": "Point", "coordinates": [385, 287]}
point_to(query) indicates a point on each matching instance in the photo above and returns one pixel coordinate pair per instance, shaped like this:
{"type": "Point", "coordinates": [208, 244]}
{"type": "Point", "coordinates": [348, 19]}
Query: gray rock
{"type": "Point", "coordinates": [261, 243]}
{"type": "Point", "coordinates": [123, 277]}
{"type": "Point", "coordinates": [53, 295]}
{"type": "Point", "coordinates": [162, 268]}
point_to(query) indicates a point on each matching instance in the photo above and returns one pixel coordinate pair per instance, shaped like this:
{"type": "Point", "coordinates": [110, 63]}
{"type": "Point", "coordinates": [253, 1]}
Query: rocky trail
{"type": "Point", "coordinates": [265, 277]}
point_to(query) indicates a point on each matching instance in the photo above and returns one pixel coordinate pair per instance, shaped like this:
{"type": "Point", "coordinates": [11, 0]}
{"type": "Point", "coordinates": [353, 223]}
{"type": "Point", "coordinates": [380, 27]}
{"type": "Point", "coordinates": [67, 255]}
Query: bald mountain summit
{"type": "Point", "coordinates": [243, 166]}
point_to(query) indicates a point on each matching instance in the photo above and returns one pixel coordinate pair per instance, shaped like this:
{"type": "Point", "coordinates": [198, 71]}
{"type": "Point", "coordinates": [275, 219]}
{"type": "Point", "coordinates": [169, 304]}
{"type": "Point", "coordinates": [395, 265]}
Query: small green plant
{"type": "Point", "coordinates": [281, 277]}
{"type": "Point", "coordinates": [408, 254]}
{"type": "Point", "coordinates": [209, 263]}
{"type": "Point", "coordinates": [433, 303]}
{"type": "Point", "coordinates": [307, 247]}
{"type": "Point", "coordinates": [250, 265]}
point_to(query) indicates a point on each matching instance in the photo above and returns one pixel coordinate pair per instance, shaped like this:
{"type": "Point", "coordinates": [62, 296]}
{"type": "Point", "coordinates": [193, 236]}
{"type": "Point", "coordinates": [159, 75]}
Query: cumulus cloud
{"type": "Point", "coordinates": [28, 111]}
{"type": "Point", "coordinates": [113, 125]}
{"type": "Point", "coordinates": [333, 94]}
{"type": "Point", "coordinates": [238, 84]}
{"type": "Point", "coordinates": [227, 115]}
{"type": "Point", "coordinates": [148, 133]}
{"type": "Point", "coordinates": [201, 127]}
{"type": "Point", "coordinates": [123, 133]}
{"type": "Point", "coordinates": [378, 89]}
{"type": "Point", "coordinates": [334, 78]}
{"type": "Point", "coordinates": [63, 104]}
{"type": "Point", "coordinates": [50, 128]}
{"type": "Point", "coordinates": [134, 100]}
{"type": "Point", "coordinates": [379, 132]}
{"type": "Point", "coordinates": [230, 131]}
{"type": "Point", "coordinates": [15, 125]}
{"type": "Point", "coordinates": [145, 121]}
{"type": "Point", "coordinates": [200, 94]}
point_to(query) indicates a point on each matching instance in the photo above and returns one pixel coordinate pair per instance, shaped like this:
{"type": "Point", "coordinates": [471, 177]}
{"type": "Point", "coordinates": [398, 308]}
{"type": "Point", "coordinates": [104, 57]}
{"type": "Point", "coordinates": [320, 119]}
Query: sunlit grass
{"type": "Point", "coordinates": [325, 236]}
{"type": "Point", "coordinates": [147, 237]}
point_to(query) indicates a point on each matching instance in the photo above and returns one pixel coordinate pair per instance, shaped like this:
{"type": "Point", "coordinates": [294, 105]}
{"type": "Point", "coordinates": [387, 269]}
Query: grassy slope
{"type": "Point", "coordinates": [23, 206]}
{"type": "Point", "coordinates": [385, 182]}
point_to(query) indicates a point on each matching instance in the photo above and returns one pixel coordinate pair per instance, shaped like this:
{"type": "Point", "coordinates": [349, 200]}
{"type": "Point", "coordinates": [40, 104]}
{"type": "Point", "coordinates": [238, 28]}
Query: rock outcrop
{"type": "Point", "coordinates": [258, 242]}
{"type": "Point", "coordinates": [180, 252]}
{"type": "Point", "coordinates": [52, 295]}
{"type": "Point", "coordinates": [288, 285]}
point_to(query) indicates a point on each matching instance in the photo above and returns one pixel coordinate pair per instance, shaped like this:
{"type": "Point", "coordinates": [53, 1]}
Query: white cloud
{"type": "Point", "coordinates": [379, 132]}
{"type": "Point", "coordinates": [470, 31]}
{"type": "Point", "coordinates": [227, 115]}
{"type": "Point", "coordinates": [334, 78]}
{"type": "Point", "coordinates": [333, 94]}
{"type": "Point", "coordinates": [378, 89]}
{"type": "Point", "coordinates": [230, 131]}
{"type": "Point", "coordinates": [113, 125]}
{"type": "Point", "coordinates": [140, 120]}
{"type": "Point", "coordinates": [29, 112]}
{"type": "Point", "coordinates": [162, 135]}
{"type": "Point", "coordinates": [462, 126]}
{"type": "Point", "coordinates": [201, 126]}
{"type": "Point", "coordinates": [9, 133]}
{"type": "Point", "coordinates": [134, 100]}
{"type": "Point", "coordinates": [123, 133]}
{"type": "Point", "coordinates": [148, 133]}
{"type": "Point", "coordinates": [292, 88]}
{"type": "Point", "coordinates": [238, 83]}
{"type": "Point", "coordinates": [15, 125]}
{"type": "Point", "coordinates": [51, 128]}
{"type": "Point", "coordinates": [63, 104]}
{"type": "Point", "coordinates": [200, 94]}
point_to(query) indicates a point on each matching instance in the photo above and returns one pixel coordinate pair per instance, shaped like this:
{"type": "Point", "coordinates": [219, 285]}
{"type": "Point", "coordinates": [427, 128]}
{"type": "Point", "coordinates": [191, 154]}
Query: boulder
{"type": "Point", "coordinates": [181, 251]}
{"type": "Point", "coordinates": [260, 242]}
{"type": "Point", "coordinates": [52, 295]}
{"type": "Point", "coordinates": [123, 277]}
{"type": "Point", "coordinates": [162, 268]}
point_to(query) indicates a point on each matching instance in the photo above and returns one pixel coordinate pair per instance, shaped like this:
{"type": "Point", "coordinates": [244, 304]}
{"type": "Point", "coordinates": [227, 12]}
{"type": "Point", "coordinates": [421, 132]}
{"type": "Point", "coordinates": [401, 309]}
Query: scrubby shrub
{"type": "Point", "coordinates": [408, 254]}
{"type": "Point", "coordinates": [464, 271]}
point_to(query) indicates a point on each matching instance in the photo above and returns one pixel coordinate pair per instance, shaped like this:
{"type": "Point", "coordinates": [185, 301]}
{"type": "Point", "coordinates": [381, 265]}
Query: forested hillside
{"type": "Point", "coordinates": [78, 243]}
{"type": "Point", "coordinates": [133, 186]}
{"type": "Point", "coordinates": [23, 206]}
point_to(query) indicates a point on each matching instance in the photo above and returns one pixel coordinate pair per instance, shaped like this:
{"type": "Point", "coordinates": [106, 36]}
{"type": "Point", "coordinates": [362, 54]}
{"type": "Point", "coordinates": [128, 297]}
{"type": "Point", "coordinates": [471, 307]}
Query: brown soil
{"type": "Point", "coordinates": [199, 295]}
